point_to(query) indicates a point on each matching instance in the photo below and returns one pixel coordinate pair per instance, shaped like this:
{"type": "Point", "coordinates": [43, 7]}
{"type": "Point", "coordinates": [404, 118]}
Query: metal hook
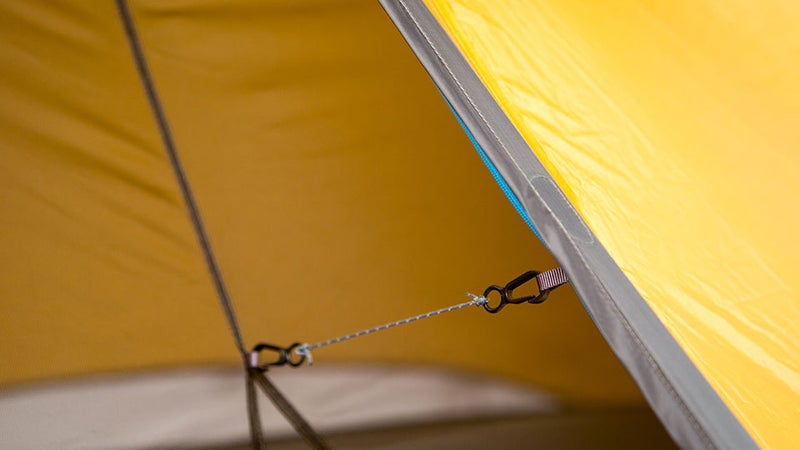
{"type": "Point", "coordinates": [284, 356]}
{"type": "Point", "coordinates": [507, 292]}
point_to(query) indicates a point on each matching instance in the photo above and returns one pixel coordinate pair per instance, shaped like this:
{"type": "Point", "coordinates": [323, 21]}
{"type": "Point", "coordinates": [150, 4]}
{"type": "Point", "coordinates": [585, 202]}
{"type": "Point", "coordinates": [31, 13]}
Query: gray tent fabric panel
{"type": "Point", "coordinates": [691, 410]}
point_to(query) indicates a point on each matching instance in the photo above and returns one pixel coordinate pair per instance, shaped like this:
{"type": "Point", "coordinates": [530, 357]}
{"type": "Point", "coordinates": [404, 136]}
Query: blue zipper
{"type": "Point", "coordinates": [495, 173]}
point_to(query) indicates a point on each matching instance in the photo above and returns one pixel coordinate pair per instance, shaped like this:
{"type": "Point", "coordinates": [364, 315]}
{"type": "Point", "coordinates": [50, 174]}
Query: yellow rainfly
{"type": "Point", "coordinates": [673, 129]}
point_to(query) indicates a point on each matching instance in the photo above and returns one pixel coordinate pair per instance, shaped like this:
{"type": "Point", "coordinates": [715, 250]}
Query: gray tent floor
{"type": "Point", "coordinates": [635, 428]}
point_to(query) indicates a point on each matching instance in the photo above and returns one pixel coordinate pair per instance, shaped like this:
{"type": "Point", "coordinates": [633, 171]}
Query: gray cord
{"type": "Point", "coordinates": [305, 349]}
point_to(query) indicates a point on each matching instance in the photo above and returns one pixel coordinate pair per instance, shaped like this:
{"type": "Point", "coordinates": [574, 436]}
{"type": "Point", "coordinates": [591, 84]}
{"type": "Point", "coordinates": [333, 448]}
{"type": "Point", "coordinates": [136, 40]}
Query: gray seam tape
{"type": "Point", "coordinates": [607, 293]}
{"type": "Point", "coordinates": [623, 320]}
{"type": "Point", "coordinates": [560, 207]}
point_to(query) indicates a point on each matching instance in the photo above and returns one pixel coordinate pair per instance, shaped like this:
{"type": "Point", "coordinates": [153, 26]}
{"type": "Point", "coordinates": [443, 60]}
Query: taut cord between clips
{"type": "Point", "coordinates": [547, 281]}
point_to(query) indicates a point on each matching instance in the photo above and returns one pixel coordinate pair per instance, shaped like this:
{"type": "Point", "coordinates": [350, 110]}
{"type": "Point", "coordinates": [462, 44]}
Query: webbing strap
{"type": "Point", "coordinates": [551, 279]}
{"type": "Point", "coordinates": [292, 415]}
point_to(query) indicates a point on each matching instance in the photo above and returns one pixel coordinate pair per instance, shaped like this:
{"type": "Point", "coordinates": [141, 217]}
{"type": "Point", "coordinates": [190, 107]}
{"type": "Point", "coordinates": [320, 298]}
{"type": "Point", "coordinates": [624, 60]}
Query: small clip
{"type": "Point", "coordinates": [507, 292]}
{"type": "Point", "coordinates": [284, 356]}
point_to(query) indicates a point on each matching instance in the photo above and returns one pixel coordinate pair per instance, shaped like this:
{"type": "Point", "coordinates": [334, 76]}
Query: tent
{"type": "Point", "coordinates": [294, 163]}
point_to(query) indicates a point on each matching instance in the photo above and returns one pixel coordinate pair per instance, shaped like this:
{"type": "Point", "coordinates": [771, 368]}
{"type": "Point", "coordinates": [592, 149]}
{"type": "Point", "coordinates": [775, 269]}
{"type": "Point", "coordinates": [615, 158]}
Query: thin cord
{"type": "Point", "coordinates": [300, 424]}
{"type": "Point", "coordinates": [254, 417]}
{"type": "Point", "coordinates": [305, 349]}
{"type": "Point", "coordinates": [180, 175]}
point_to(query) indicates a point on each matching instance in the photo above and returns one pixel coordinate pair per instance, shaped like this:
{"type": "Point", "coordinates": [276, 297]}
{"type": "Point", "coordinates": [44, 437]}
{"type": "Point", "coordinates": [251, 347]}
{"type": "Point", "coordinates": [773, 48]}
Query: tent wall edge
{"type": "Point", "coordinates": [692, 412]}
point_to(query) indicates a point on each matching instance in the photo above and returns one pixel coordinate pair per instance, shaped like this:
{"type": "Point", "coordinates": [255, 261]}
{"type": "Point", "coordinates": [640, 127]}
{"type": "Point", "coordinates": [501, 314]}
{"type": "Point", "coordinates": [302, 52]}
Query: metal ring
{"type": "Point", "coordinates": [502, 303]}
{"type": "Point", "coordinates": [289, 354]}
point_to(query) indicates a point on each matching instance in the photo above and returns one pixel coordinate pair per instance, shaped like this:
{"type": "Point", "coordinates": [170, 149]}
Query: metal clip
{"type": "Point", "coordinates": [284, 356]}
{"type": "Point", "coordinates": [507, 292]}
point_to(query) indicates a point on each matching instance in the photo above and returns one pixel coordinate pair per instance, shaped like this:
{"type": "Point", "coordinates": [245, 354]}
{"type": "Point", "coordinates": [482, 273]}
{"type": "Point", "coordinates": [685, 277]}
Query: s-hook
{"type": "Point", "coordinates": [546, 282]}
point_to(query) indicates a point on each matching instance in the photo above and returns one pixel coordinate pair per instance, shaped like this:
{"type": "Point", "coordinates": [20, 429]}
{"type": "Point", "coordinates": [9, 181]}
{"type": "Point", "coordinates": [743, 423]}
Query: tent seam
{"type": "Point", "coordinates": [653, 364]}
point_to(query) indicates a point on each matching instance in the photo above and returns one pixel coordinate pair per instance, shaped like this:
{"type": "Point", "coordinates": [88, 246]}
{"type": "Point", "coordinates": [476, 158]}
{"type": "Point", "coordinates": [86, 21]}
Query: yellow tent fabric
{"type": "Point", "coordinates": [672, 129]}
{"type": "Point", "coordinates": [339, 192]}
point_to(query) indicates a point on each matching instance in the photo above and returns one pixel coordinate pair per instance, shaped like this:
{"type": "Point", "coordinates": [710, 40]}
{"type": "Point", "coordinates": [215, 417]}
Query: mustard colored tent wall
{"type": "Point", "coordinates": [337, 189]}
{"type": "Point", "coordinates": [671, 130]}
